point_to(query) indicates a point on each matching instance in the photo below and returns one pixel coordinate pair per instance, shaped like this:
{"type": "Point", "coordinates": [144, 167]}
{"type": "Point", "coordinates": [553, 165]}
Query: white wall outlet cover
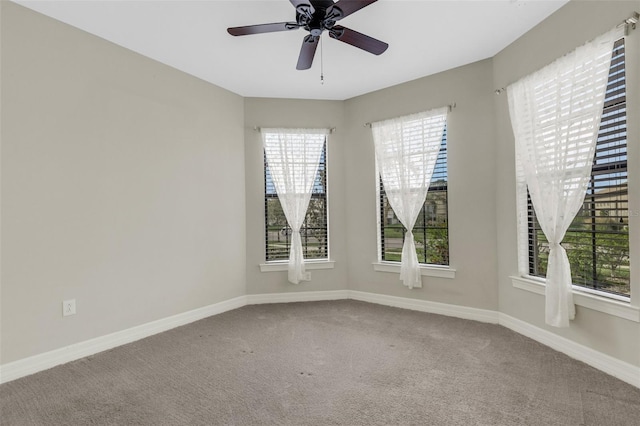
{"type": "Point", "coordinates": [68, 307]}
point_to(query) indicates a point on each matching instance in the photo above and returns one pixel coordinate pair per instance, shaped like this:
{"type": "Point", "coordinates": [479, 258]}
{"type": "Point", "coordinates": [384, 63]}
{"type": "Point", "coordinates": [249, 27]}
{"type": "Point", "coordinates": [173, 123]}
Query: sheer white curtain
{"type": "Point", "coordinates": [555, 114]}
{"type": "Point", "coordinates": [293, 156]}
{"type": "Point", "coordinates": [406, 153]}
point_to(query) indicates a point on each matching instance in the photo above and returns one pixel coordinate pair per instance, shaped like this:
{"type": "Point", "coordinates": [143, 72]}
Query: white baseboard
{"type": "Point", "coordinates": [615, 367]}
{"type": "Point", "coordinates": [457, 311]}
{"type": "Point", "coordinates": [622, 370]}
{"type": "Point", "coordinates": [44, 361]}
{"type": "Point", "coordinates": [298, 296]}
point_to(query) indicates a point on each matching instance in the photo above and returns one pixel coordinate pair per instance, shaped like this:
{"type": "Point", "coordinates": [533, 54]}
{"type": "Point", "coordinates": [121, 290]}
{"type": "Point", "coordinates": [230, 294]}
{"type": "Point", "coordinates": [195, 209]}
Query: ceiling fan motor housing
{"type": "Point", "coordinates": [323, 17]}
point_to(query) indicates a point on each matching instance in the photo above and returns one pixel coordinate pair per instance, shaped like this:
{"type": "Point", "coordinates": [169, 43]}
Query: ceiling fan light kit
{"type": "Point", "coordinates": [317, 16]}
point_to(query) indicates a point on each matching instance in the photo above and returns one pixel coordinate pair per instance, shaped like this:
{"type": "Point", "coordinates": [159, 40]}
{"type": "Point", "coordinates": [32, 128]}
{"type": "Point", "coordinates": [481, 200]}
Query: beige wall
{"type": "Point", "coordinates": [262, 112]}
{"type": "Point", "coordinates": [117, 177]}
{"type": "Point", "coordinates": [562, 32]}
{"type": "Point", "coordinates": [470, 139]}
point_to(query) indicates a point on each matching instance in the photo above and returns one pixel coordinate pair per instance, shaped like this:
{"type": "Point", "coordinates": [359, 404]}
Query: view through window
{"type": "Point", "coordinates": [314, 233]}
{"type": "Point", "coordinates": [431, 231]}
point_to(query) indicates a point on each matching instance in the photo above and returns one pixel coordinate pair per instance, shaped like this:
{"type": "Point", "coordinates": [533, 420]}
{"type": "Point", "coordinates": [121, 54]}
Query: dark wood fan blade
{"type": "Point", "coordinates": [357, 39]}
{"type": "Point", "coordinates": [263, 28]}
{"type": "Point", "coordinates": [347, 7]}
{"type": "Point", "coordinates": [307, 52]}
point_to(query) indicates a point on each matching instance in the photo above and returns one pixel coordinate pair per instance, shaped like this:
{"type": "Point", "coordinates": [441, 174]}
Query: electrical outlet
{"type": "Point", "coordinates": [68, 307]}
{"type": "Point", "coordinates": [307, 276]}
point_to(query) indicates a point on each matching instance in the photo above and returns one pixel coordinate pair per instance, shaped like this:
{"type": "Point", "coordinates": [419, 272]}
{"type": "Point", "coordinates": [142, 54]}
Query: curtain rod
{"type": "Point", "coordinates": [629, 24]}
{"type": "Point", "coordinates": [258, 128]}
{"type": "Point", "coordinates": [450, 106]}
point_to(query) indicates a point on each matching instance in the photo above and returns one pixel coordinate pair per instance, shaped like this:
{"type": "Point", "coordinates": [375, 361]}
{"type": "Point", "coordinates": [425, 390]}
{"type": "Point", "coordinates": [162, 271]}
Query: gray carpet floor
{"type": "Point", "coordinates": [324, 363]}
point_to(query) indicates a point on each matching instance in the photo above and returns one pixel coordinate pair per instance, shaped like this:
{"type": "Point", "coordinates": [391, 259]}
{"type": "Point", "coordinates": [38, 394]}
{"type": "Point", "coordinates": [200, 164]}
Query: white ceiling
{"type": "Point", "coordinates": [424, 37]}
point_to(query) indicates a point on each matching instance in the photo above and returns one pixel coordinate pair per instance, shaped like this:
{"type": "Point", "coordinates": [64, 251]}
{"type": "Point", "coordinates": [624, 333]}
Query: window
{"type": "Point", "coordinates": [431, 231]}
{"type": "Point", "coordinates": [314, 229]}
{"type": "Point", "coordinates": [597, 242]}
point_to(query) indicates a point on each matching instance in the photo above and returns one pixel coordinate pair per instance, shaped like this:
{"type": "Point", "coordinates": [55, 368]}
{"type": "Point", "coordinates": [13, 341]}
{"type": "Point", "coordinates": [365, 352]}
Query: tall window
{"type": "Point", "coordinates": [314, 233]}
{"type": "Point", "coordinates": [597, 242]}
{"type": "Point", "coordinates": [431, 231]}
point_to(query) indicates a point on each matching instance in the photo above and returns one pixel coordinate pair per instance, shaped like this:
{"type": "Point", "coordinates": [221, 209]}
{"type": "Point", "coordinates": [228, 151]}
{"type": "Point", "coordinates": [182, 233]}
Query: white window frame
{"type": "Point", "coordinates": [310, 264]}
{"type": "Point", "coordinates": [613, 304]}
{"type": "Point", "coordinates": [389, 266]}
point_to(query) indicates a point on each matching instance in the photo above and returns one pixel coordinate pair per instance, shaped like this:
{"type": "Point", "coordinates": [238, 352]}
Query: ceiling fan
{"type": "Point", "coordinates": [317, 16]}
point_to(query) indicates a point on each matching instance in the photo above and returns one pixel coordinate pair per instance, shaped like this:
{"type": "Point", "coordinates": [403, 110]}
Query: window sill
{"type": "Point", "coordinates": [308, 265]}
{"type": "Point", "coordinates": [425, 270]}
{"type": "Point", "coordinates": [618, 308]}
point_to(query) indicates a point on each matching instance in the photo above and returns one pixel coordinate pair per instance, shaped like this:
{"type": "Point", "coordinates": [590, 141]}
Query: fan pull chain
{"type": "Point", "coordinates": [321, 63]}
